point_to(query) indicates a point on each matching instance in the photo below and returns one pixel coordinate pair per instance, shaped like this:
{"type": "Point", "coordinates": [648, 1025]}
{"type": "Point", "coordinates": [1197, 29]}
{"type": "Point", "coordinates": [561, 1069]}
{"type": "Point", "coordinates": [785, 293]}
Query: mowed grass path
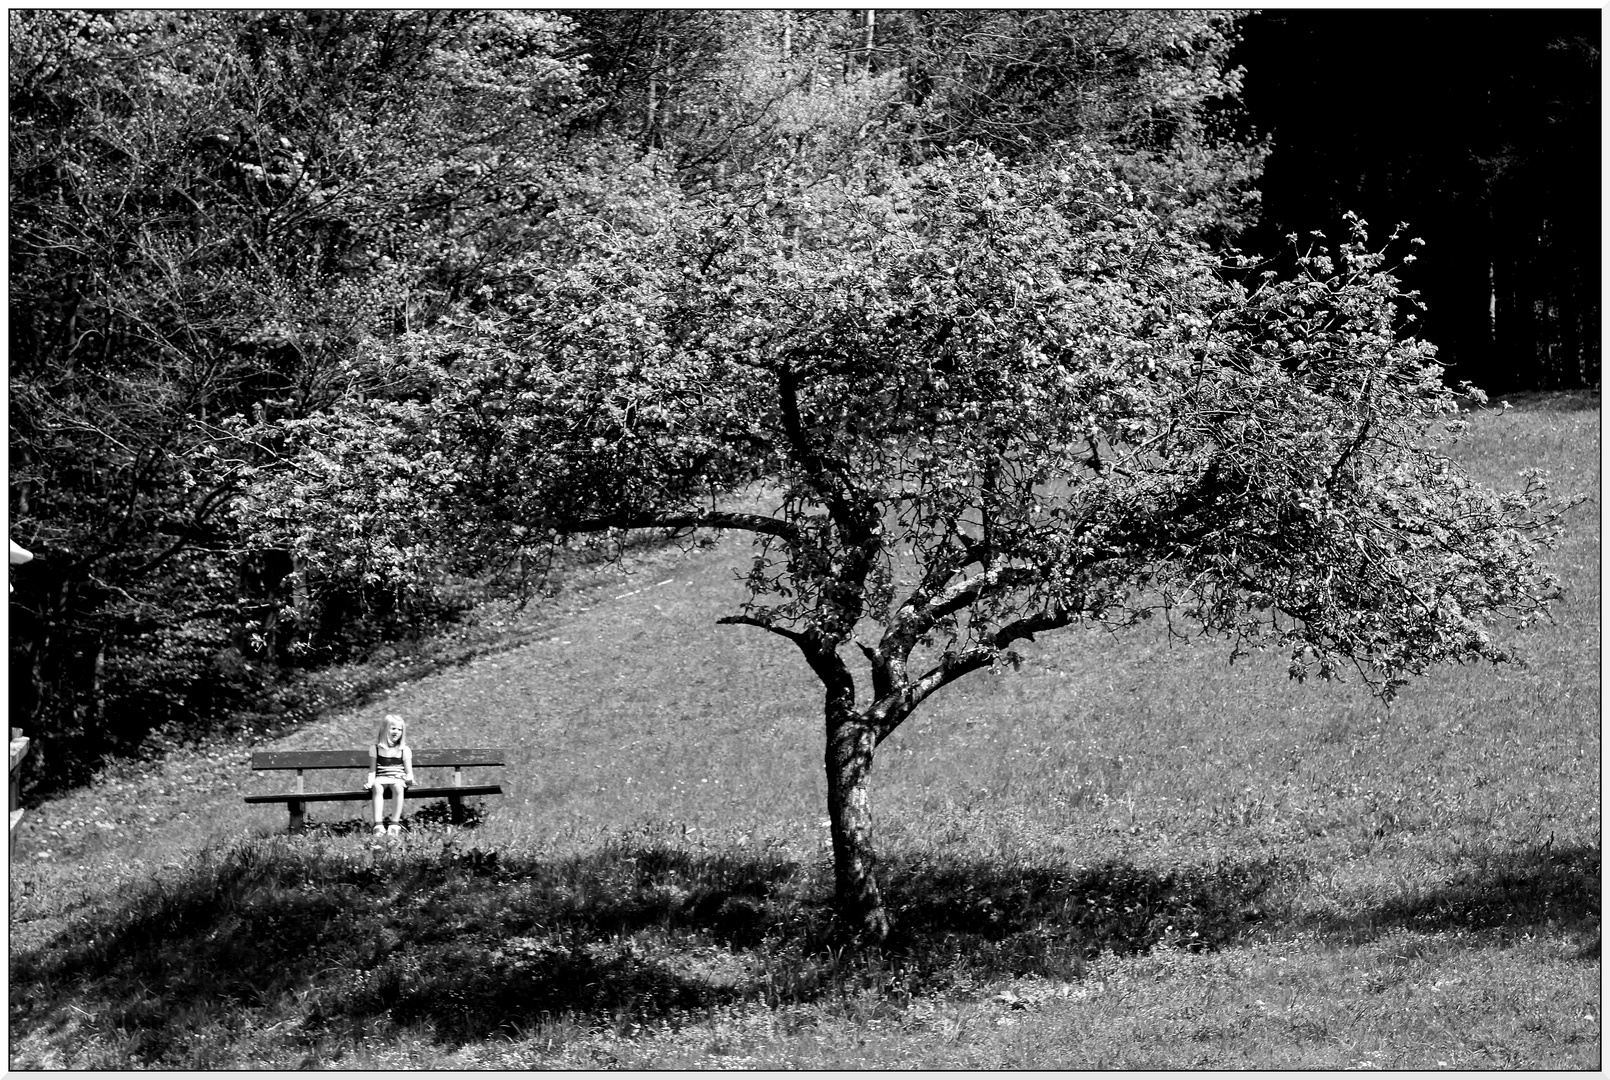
{"type": "Point", "coordinates": [1130, 853]}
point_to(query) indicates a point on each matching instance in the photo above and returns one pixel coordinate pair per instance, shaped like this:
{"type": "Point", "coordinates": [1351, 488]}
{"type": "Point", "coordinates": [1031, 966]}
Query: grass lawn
{"type": "Point", "coordinates": [1129, 854]}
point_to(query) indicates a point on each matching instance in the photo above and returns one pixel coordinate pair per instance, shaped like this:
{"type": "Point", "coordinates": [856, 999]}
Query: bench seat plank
{"type": "Point", "coordinates": [414, 793]}
{"type": "Point", "coordinates": [359, 759]}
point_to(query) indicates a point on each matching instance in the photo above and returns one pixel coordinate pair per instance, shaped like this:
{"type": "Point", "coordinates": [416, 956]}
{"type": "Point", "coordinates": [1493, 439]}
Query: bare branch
{"type": "Point", "coordinates": [698, 519]}
{"type": "Point", "coordinates": [798, 637]}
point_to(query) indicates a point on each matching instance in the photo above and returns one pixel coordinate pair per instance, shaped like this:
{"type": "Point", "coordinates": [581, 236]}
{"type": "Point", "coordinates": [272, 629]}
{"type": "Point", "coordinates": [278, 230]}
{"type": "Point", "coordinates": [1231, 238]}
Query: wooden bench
{"type": "Point", "coordinates": [302, 760]}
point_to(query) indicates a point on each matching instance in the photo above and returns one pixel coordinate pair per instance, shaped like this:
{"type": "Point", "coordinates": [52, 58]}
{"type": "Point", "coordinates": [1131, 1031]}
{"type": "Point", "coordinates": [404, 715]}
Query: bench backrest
{"type": "Point", "coordinates": [359, 759]}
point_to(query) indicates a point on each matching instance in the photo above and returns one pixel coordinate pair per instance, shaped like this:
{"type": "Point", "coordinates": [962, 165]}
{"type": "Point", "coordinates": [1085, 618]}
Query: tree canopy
{"type": "Point", "coordinates": [1006, 400]}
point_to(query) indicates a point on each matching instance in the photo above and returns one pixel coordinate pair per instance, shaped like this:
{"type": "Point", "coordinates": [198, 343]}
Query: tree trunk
{"type": "Point", "coordinates": [850, 741]}
{"type": "Point", "coordinates": [651, 107]}
{"type": "Point", "coordinates": [1492, 308]}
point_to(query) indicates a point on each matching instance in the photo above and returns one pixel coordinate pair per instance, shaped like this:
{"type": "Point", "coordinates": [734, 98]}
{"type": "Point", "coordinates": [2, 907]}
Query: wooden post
{"type": "Point", "coordinates": [19, 750]}
{"type": "Point", "coordinates": [455, 803]}
{"type": "Point", "coordinates": [298, 808]}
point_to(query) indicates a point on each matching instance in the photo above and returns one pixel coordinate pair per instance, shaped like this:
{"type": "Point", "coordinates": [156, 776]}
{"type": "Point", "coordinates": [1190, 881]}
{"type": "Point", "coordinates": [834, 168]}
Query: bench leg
{"type": "Point", "coordinates": [298, 815]}
{"type": "Point", "coordinates": [455, 806]}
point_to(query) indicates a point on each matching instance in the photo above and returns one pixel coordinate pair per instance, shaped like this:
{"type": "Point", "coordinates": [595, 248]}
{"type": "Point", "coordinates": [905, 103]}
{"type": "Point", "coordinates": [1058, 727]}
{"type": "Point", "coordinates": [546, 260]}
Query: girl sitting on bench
{"type": "Point", "coordinates": [391, 763]}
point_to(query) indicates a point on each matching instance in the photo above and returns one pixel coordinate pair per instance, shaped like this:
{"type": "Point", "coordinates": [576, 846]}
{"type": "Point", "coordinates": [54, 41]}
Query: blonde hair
{"type": "Point", "coordinates": [385, 722]}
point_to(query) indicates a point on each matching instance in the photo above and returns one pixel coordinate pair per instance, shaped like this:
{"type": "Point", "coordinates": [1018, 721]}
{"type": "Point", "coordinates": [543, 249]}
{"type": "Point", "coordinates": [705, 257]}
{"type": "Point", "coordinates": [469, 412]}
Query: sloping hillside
{"type": "Point", "coordinates": [1130, 853]}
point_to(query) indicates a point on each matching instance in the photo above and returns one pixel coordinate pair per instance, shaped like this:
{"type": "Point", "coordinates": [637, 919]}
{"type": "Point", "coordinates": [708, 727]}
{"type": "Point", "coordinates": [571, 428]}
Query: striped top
{"type": "Point", "coordinates": [389, 763]}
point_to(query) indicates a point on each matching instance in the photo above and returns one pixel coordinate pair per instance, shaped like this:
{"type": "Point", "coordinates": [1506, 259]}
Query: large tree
{"type": "Point", "coordinates": [1010, 400]}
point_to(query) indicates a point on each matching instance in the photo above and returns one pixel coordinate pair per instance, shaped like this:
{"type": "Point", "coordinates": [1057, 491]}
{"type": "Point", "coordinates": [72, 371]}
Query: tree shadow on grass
{"type": "Point", "coordinates": [468, 943]}
{"type": "Point", "coordinates": [1536, 888]}
{"type": "Point", "coordinates": [331, 938]}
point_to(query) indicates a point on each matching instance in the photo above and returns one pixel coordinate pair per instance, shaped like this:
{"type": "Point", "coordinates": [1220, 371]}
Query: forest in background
{"type": "Point", "coordinates": [1481, 130]}
{"type": "Point", "coordinates": [223, 221]}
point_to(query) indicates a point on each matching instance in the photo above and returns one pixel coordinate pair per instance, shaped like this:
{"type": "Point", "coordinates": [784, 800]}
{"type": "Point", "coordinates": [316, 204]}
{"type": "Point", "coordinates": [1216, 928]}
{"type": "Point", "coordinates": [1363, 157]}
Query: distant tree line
{"type": "Point", "coordinates": [231, 229]}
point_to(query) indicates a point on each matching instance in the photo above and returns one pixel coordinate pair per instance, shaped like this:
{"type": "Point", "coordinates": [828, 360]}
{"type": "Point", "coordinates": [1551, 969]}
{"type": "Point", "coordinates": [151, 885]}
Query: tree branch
{"type": "Point", "coordinates": [697, 519]}
{"type": "Point", "coordinates": [798, 637]}
{"type": "Point", "coordinates": [828, 475]}
{"type": "Point", "coordinates": [921, 613]}
{"type": "Point", "coordinates": [1025, 628]}
{"type": "Point", "coordinates": [818, 653]}
{"type": "Point", "coordinates": [882, 672]}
